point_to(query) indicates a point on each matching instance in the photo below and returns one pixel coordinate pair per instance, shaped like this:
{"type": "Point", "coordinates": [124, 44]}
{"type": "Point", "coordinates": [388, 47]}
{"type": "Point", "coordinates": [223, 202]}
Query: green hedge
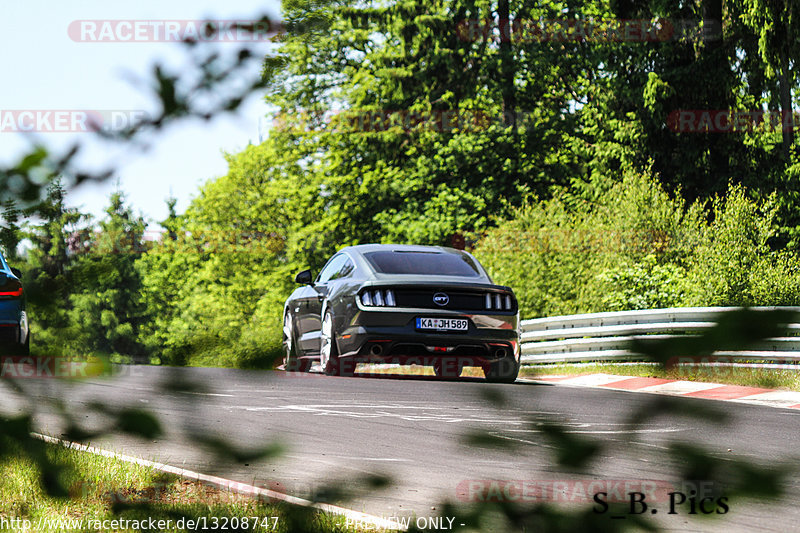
{"type": "Point", "coordinates": [636, 247]}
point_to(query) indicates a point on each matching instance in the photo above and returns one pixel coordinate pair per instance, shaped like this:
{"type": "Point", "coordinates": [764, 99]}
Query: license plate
{"type": "Point", "coordinates": [443, 324]}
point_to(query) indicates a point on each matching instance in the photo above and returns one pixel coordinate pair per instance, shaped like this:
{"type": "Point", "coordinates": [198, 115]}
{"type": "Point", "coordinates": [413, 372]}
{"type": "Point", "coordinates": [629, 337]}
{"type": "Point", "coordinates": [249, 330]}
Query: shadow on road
{"type": "Point", "coordinates": [316, 373]}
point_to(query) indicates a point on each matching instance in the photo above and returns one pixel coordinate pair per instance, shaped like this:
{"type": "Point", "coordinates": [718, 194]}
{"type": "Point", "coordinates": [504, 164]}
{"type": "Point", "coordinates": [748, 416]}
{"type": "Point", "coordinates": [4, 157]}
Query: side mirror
{"type": "Point", "coordinates": [304, 277]}
{"type": "Point", "coordinates": [17, 272]}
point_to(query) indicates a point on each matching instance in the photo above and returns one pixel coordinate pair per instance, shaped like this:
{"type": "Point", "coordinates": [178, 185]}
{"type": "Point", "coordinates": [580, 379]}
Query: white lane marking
{"type": "Point", "coordinates": [545, 445]}
{"type": "Point", "coordinates": [383, 411]}
{"type": "Point", "coordinates": [367, 406]}
{"type": "Point", "coordinates": [356, 457]}
{"type": "Point", "coordinates": [207, 394]}
{"type": "Point", "coordinates": [386, 406]}
{"type": "Point", "coordinates": [625, 432]}
{"type": "Point", "coordinates": [540, 444]}
{"type": "Point", "coordinates": [605, 431]}
{"type": "Point", "coordinates": [376, 459]}
{"type": "Point", "coordinates": [233, 486]}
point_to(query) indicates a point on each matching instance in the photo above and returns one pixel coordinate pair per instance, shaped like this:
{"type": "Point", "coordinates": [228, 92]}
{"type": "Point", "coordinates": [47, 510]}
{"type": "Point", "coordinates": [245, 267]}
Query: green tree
{"type": "Point", "coordinates": [58, 232]}
{"type": "Point", "coordinates": [776, 25]}
{"type": "Point", "coordinates": [628, 248]}
{"type": "Point", "coordinates": [52, 237]}
{"type": "Point", "coordinates": [107, 309]}
{"type": "Point", "coordinates": [429, 142]}
{"type": "Point", "coordinates": [10, 230]}
{"type": "Point", "coordinates": [216, 290]}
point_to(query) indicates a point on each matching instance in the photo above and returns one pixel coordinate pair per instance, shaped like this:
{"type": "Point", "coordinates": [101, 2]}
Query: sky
{"type": "Point", "coordinates": [50, 66]}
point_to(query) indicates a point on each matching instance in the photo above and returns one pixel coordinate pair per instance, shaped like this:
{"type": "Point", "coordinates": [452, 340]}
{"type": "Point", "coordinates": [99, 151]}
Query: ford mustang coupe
{"type": "Point", "coordinates": [402, 304]}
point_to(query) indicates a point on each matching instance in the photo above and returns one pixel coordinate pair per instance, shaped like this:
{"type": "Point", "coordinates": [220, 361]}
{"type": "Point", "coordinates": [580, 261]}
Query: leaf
{"type": "Point", "coordinates": [139, 423]}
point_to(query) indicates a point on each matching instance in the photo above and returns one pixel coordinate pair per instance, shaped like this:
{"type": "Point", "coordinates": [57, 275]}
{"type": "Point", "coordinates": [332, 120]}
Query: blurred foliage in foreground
{"type": "Point", "coordinates": [45, 481]}
{"type": "Point", "coordinates": [101, 489]}
{"type": "Point", "coordinates": [577, 154]}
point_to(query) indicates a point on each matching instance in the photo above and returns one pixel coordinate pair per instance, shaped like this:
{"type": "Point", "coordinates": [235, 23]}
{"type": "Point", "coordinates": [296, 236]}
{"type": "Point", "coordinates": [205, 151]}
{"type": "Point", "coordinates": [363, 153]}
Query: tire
{"type": "Point", "coordinates": [447, 368]}
{"type": "Point", "coordinates": [329, 351]}
{"type": "Point", "coordinates": [503, 371]}
{"type": "Point", "coordinates": [291, 359]}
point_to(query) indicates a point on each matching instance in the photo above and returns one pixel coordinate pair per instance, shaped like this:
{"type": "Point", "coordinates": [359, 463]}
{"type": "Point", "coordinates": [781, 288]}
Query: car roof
{"type": "Point", "coordinates": [362, 249]}
{"type": "Point", "coordinates": [365, 248]}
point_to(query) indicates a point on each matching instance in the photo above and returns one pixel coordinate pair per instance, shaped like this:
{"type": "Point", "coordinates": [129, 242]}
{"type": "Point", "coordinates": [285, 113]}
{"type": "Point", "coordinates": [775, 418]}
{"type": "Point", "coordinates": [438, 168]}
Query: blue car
{"type": "Point", "coordinates": [14, 335]}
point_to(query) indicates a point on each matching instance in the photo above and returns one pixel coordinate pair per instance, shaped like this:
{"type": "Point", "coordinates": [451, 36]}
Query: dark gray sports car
{"type": "Point", "coordinates": [385, 303]}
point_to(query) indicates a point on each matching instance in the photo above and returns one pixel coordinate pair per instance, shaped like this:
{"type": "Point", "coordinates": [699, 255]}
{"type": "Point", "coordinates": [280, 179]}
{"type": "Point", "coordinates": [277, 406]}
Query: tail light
{"type": "Point", "coordinates": [499, 301]}
{"type": "Point", "coordinates": [12, 294]}
{"type": "Point", "coordinates": [10, 288]}
{"type": "Point", "coordinates": [378, 298]}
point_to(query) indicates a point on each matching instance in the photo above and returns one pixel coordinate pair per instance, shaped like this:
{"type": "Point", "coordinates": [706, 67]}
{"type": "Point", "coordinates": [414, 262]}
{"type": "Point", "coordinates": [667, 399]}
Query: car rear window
{"type": "Point", "coordinates": [423, 263]}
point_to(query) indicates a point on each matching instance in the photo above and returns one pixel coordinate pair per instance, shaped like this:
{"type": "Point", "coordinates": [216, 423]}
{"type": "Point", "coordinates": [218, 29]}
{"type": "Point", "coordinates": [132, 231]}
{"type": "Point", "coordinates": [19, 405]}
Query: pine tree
{"type": "Point", "coordinates": [10, 230]}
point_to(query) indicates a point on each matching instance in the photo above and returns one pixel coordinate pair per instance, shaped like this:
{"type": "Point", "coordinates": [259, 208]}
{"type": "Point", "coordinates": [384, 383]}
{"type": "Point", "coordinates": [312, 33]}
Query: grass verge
{"type": "Point", "coordinates": [767, 378]}
{"type": "Point", "coordinates": [102, 490]}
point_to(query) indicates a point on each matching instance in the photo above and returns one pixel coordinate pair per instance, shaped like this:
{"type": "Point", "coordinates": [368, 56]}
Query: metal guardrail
{"type": "Point", "coordinates": [607, 336]}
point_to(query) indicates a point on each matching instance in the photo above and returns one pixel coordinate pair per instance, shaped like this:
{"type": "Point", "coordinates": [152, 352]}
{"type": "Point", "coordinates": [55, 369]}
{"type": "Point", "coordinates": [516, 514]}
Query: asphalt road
{"type": "Point", "coordinates": [336, 431]}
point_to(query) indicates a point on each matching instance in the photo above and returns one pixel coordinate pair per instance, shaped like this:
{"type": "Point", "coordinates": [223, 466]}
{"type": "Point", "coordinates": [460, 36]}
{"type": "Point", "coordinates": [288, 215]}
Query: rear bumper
{"type": "Point", "coordinates": [392, 337]}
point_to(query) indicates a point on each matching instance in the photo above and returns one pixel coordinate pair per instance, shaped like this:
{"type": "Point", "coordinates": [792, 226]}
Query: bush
{"type": "Point", "coordinates": [635, 247]}
{"type": "Point", "coordinates": [776, 280]}
{"type": "Point", "coordinates": [627, 249]}
{"type": "Point", "coordinates": [733, 252]}
{"type": "Point", "coordinates": [643, 285]}
{"type": "Point", "coordinates": [543, 255]}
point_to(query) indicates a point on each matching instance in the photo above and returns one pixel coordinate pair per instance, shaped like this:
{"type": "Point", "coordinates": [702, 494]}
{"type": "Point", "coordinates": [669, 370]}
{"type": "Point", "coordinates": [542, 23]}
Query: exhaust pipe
{"type": "Point", "coordinates": [376, 349]}
{"type": "Point", "coordinates": [500, 353]}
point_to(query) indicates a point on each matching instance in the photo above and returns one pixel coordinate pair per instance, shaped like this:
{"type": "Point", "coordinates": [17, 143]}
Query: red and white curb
{"type": "Point", "coordinates": [365, 520]}
{"type": "Point", "coordinates": [690, 389]}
